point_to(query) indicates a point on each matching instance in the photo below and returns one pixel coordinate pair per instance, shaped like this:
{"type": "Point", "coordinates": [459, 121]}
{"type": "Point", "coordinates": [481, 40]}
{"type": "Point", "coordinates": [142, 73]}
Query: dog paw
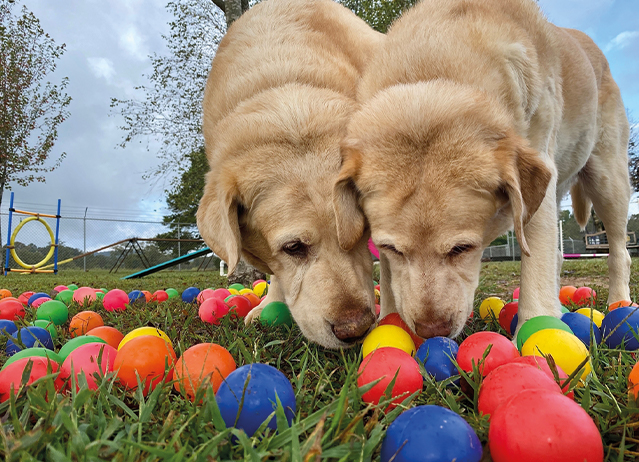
{"type": "Point", "coordinates": [254, 315]}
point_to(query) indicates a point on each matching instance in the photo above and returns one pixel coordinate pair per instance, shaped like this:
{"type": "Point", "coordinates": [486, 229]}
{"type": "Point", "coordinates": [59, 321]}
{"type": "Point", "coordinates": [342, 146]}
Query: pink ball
{"type": "Point", "coordinates": [85, 359]}
{"type": "Point", "coordinates": [585, 296]}
{"type": "Point", "coordinates": [221, 293]}
{"type": "Point", "coordinates": [516, 294]}
{"type": "Point", "coordinates": [11, 376]}
{"type": "Point", "coordinates": [60, 288]}
{"type": "Point", "coordinates": [206, 293]}
{"type": "Point", "coordinates": [84, 296]}
{"type": "Point", "coordinates": [256, 282]}
{"type": "Point", "coordinates": [212, 310]}
{"type": "Point", "coordinates": [472, 350]}
{"type": "Point", "coordinates": [534, 426]}
{"type": "Point", "coordinates": [39, 301]}
{"type": "Point", "coordinates": [115, 300]}
{"type": "Point", "coordinates": [159, 296]}
{"type": "Point", "coordinates": [508, 380]}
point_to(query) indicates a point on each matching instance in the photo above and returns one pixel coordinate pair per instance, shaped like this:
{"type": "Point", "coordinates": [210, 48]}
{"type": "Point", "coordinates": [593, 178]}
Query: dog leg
{"type": "Point", "coordinates": [387, 298]}
{"type": "Point", "coordinates": [273, 295]}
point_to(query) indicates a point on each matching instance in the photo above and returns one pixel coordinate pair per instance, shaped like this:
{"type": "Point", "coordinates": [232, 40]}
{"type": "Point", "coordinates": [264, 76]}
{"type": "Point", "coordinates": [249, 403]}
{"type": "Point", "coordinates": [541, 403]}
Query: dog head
{"type": "Point", "coordinates": [274, 162]}
{"type": "Point", "coordinates": [439, 174]}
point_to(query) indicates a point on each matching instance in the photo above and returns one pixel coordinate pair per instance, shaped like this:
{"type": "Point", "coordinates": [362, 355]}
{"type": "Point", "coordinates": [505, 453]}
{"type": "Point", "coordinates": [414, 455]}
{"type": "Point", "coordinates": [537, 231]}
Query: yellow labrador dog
{"type": "Point", "coordinates": [280, 92]}
{"type": "Point", "coordinates": [479, 116]}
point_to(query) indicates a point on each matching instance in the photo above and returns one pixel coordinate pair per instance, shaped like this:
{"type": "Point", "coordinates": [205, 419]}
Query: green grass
{"type": "Point", "coordinates": [331, 423]}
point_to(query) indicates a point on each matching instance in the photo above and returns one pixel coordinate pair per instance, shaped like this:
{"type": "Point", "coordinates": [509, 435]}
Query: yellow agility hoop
{"type": "Point", "coordinates": [13, 240]}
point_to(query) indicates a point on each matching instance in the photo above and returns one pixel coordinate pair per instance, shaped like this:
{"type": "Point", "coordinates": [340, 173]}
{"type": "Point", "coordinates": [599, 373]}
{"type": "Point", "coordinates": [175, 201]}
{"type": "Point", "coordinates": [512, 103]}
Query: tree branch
{"type": "Point", "coordinates": [220, 5]}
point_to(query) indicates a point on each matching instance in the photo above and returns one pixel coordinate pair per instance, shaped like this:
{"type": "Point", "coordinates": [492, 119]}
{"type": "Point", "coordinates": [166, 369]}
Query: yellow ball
{"type": "Point", "coordinates": [377, 296]}
{"type": "Point", "coordinates": [246, 291]}
{"type": "Point", "coordinates": [566, 349]}
{"type": "Point", "coordinates": [491, 305]}
{"type": "Point", "coordinates": [233, 291]}
{"type": "Point", "coordinates": [140, 331]}
{"type": "Point", "coordinates": [260, 288]}
{"type": "Point", "coordinates": [597, 316]}
{"type": "Point", "coordinates": [388, 336]}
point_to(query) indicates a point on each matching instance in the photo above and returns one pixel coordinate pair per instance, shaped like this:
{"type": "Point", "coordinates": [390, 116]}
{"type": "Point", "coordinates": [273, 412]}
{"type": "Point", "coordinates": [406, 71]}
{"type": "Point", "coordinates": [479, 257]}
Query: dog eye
{"type": "Point", "coordinates": [295, 249]}
{"type": "Point", "coordinates": [392, 248]}
{"type": "Point", "coordinates": [460, 249]}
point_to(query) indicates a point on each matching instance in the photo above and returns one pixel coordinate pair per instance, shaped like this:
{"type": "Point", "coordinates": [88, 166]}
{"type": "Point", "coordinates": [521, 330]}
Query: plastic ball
{"type": "Point", "coordinates": [83, 322]}
{"type": "Point", "coordinates": [436, 354]}
{"type": "Point", "coordinates": [384, 363]}
{"type": "Point", "coordinates": [591, 313]}
{"type": "Point", "coordinates": [237, 287]}
{"type": "Point", "coordinates": [7, 328]}
{"type": "Point", "coordinates": [616, 329]}
{"type": "Point", "coordinates": [539, 323]}
{"type": "Point", "coordinates": [144, 331]}
{"type": "Point", "coordinates": [115, 300]}
{"type": "Point", "coordinates": [584, 296]}
{"type": "Point", "coordinates": [471, 351]}
{"type": "Point", "coordinates": [246, 290]}
{"type": "Point", "coordinates": [233, 291]}
{"type": "Point", "coordinates": [77, 342]}
{"type": "Point", "coordinates": [109, 334]}
{"type": "Point", "coordinates": [260, 288]}
{"type": "Point", "coordinates": [276, 314]}
{"type": "Point", "coordinates": [148, 357]}
{"type": "Point", "coordinates": [60, 288]}
{"type": "Point", "coordinates": [11, 376]}
{"type": "Point", "coordinates": [206, 293]}
{"type": "Point", "coordinates": [388, 336]}
{"type": "Point", "coordinates": [4, 293]}
{"type": "Point", "coordinates": [46, 324]}
{"type": "Point", "coordinates": [84, 296]}
{"type": "Point", "coordinates": [172, 293]}
{"type": "Point", "coordinates": [99, 295]}
{"type": "Point", "coordinates": [159, 296]}
{"type": "Point", "coordinates": [84, 359]}
{"type": "Point", "coordinates": [394, 319]}
{"type": "Point", "coordinates": [24, 297]}
{"type": "Point", "coordinates": [11, 309]}
{"type": "Point", "coordinates": [614, 306]}
{"type": "Point", "coordinates": [253, 299]}
{"type": "Point", "coordinates": [137, 297]}
{"type": "Point", "coordinates": [212, 310]}
{"type": "Point", "coordinates": [507, 314]}
{"type": "Point", "coordinates": [565, 294]}
{"type": "Point", "coordinates": [29, 337]}
{"type": "Point", "coordinates": [256, 282]}
{"type": "Point", "coordinates": [36, 352]}
{"type": "Point", "coordinates": [147, 295]}
{"type": "Point", "coordinates": [229, 297]}
{"type": "Point", "coordinates": [240, 306]}
{"type": "Point", "coordinates": [430, 433]}
{"type": "Point", "coordinates": [66, 296]}
{"type": "Point", "coordinates": [190, 295]}
{"type": "Point", "coordinates": [490, 308]}
{"type": "Point", "coordinates": [508, 380]}
{"type": "Point", "coordinates": [36, 296]}
{"type": "Point", "coordinates": [221, 293]}
{"type": "Point", "coordinates": [516, 294]}
{"type": "Point", "coordinates": [581, 326]}
{"type": "Point", "coordinates": [633, 382]}
{"type": "Point", "coordinates": [247, 397]}
{"type": "Point", "coordinates": [39, 301]}
{"type": "Point", "coordinates": [513, 324]}
{"type": "Point", "coordinates": [535, 425]}
{"type": "Point", "coordinates": [72, 287]}
{"type": "Point", "coordinates": [567, 350]}
{"type": "Point", "coordinates": [204, 362]}
{"type": "Point", "coordinates": [54, 311]}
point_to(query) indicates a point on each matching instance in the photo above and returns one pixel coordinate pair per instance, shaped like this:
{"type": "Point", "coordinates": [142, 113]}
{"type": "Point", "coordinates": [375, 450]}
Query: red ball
{"type": "Point", "coordinates": [585, 296]}
{"type": "Point", "coordinates": [508, 380]}
{"type": "Point", "coordinates": [378, 310]}
{"type": "Point", "coordinates": [221, 293]}
{"type": "Point", "coordinates": [472, 350]}
{"type": "Point", "coordinates": [115, 300]}
{"type": "Point", "coordinates": [24, 297]}
{"type": "Point", "coordinates": [11, 376]}
{"type": "Point", "coordinates": [159, 296]}
{"type": "Point", "coordinates": [535, 425]}
{"type": "Point", "coordinates": [507, 314]}
{"type": "Point", "coordinates": [212, 310]}
{"type": "Point", "coordinates": [240, 306]}
{"type": "Point", "coordinates": [516, 294]}
{"type": "Point", "coordinates": [394, 319]}
{"type": "Point", "coordinates": [541, 363]}
{"type": "Point", "coordinates": [384, 363]}
{"type": "Point", "coordinates": [206, 293]}
{"type": "Point", "coordinates": [85, 359]}
{"type": "Point", "coordinates": [11, 309]}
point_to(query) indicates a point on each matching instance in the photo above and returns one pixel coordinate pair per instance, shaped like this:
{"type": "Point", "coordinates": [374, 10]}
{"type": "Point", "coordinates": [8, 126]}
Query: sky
{"type": "Point", "coordinates": [108, 44]}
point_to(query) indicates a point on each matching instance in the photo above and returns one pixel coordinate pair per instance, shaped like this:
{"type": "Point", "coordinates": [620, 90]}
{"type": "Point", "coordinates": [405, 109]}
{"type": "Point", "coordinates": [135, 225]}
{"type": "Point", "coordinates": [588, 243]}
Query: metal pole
{"type": "Point", "coordinates": [561, 237]}
{"type": "Point", "coordinates": [513, 241]}
{"type": "Point", "coordinates": [6, 258]}
{"type": "Point", "coordinates": [57, 235]}
{"type": "Point", "coordinates": [179, 248]}
{"type": "Point", "coordinates": [85, 238]}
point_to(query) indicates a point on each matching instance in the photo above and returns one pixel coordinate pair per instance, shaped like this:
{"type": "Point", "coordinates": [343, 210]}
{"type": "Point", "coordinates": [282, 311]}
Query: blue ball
{"type": "Point", "coordinates": [7, 327]}
{"type": "Point", "coordinates": [34, 297]}
{"type": "Point", "coordinates": [136, 296]}
{"type": "Point", "coordinates": [513, 324]}
{"type": "Point", "coordinates": [30, 337]}
{"type": "Point", "coordinates": [580, 326]}
{"type": "Point", "coordinates": [436, 354]}
{"type": "Point", "coordinates": [430, 434]}
{"type": "Point", "coordinates": [190, 294]}
{"type": "Point", "coordinates": [259, 399]}
{"type": "Point", "coordinates": [623, 332]}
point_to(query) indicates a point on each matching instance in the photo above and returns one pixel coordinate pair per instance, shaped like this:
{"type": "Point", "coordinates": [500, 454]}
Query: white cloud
{"type": "Point", "coordinates": [102, 68]}
{"type": "Point", "coordinates": [622, 40]}
{"type": "Point", "coordinates": [133, 43]}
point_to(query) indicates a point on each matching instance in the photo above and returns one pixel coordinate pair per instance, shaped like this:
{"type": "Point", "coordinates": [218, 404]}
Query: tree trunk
{"type": "Point", "coordinates": [233, 10]}
{"type": "Point", "coordinates": [245, 274]}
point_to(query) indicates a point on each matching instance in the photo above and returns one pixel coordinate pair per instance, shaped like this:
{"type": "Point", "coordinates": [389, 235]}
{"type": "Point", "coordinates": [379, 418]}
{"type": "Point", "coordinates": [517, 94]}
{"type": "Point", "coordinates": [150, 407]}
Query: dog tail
{"type": "Point", "coordinates": [580, 204]}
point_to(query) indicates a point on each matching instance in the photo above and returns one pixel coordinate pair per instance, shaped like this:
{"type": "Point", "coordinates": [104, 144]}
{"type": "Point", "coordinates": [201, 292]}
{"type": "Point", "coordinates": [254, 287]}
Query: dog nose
{"type": "Point", "coordinates": [353, 326]}
{"type": "Point", "coordinates": [433, 329]}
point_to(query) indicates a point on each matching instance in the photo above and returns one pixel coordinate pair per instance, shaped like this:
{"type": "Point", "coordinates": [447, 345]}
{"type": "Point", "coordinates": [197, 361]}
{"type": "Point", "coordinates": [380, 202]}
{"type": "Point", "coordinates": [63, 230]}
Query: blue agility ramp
{"type": "Point", "coordinates": [168, 264]}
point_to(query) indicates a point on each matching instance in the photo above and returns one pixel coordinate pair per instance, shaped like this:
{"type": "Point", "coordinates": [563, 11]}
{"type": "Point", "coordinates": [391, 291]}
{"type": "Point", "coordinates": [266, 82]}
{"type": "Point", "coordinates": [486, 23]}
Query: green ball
{"type": "Point", "coordinates": [99, 295]}
{"type": "Point", "coordinates": [172, 293]}
{"type": "Point", "coordinates": [229, 297]}
{"type": "Point", "coordinates": [66, 296]}
{"type": "Point", "coordinates": [539, 323]}
{"type": "Point", "coordinates": [53, 310]}
{"type": "Point", "coordinates": [46, 324]}
{"type": "Point", "coordinates": [237, 286]}
{"type": "Point", "coordinates": [33, 352]}
{"type": "Point", "coordinates": [564, 309]}
{"type": "Point", "coordinates": [74, 343]}
{"type": "Point", "coordinates": [72, 287]}
{"type": "Point", "coordinates": [276, 314]}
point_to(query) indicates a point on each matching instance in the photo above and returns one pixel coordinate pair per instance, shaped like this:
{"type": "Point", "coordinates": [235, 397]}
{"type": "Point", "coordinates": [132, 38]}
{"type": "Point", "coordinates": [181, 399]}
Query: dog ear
{"type": "Point", "coordinates": [525, 179]}
{"type": "Point", "coordinates": [217, 220]}
{"type": "Point", "coordinates": [348, 214]}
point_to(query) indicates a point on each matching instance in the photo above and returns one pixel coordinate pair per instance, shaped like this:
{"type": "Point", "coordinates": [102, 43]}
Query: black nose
{"type": "Point", "coordinates": [433, 329]}
{"type": "Point", "coordinates": [353, 326]}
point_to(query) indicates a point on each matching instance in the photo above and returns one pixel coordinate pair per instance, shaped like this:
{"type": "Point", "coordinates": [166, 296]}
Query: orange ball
{"type": "Point", "coordinates": [4, 293]}
{"type": "Point", "coordinates": [254, 299]}
{"type": "Point", "coordinates": [614, 306]}
{"type": "Point", "coordinates": [201, 363]}
{"type": "Point", "coordinates": [147, 295]}
{"type": "Point", "coordinates": [633, 382]}
{"type": "Point", "coordinates": [109, 334]}
{"type": "Point", "coordinates": [150, 356]}
{"type": "Point", "coordinates": [83, 322]}
{"type": "Point", "coordinates": [565, 294]}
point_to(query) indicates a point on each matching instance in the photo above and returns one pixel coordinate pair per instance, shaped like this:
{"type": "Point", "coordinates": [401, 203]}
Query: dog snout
{"type": "Point", "coordinates": [353, 326]}
{"type": "Point", "coordinates": [433, 329]}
